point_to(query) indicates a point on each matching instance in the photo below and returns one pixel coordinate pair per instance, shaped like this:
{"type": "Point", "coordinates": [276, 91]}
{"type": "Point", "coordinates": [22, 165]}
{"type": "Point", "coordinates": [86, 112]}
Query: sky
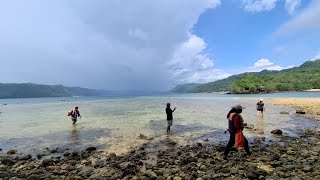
{"type": "Point", "coordinates": [152, 45]}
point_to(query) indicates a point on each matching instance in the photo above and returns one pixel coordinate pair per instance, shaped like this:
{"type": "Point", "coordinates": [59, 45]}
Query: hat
{"type": "Point", "coordinates": [238, 106]}
{"type": "Point", "coordinates": [261, 99]}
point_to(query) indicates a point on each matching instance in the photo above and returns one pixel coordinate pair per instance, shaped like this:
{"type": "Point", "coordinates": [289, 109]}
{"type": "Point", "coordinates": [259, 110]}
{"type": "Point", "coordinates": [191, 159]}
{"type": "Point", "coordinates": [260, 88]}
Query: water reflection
{"type": "Point", "coordinates": [260, 125]}
{"type": "Point", "coordinates": [74, 135]}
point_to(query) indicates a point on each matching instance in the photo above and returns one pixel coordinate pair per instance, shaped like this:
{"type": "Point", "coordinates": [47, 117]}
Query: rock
{"type": "Point", "coordinates": [25, 157]}
{"type": "Point", "coordinates": [39, 156]}
{"type": "Point", "coordinates": [151, 174]}
{"type": "Point", "coordinates": [112, 155]}
{"type": "Point", "coordinates": [3, 167]}
{"type": "Point", "coordinates": [142, 136]}
{"type": "Point", "coordinates": [177, 178]}
{"type": "Point", "coordinates": [300, 112]}
{"type": "Point", "coordinates": [276, 131]}
{"type": "Point", "coordinates": [307, 168]}
{"type": "Point", "coordinates": [90, 149]}
{"type": "Point", "coordinates": [4, 174]}
{"type": "Point", "coordinates": [284, 112]}
{"type": "Point", "coordinates": [7, 161]}
{"type": "Point", "coordinates": [0, 149]}
{"type": "Point", "coordinates": [47, 162]}
{"type": "Point", "coordinates": [66, 154]}
{"type": "Point", "coordinates": [53, 151]}
{"type": "Point", "coordinates": [12, 151]}
{"type": "Point", "coordinates": [33, 177]}
{"type": "Point", "coordinates": [249, 126]}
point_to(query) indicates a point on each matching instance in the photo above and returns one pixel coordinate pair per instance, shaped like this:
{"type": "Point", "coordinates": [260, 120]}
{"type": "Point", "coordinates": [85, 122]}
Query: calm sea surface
{"type": "Point", "coordinates": [114, 124]}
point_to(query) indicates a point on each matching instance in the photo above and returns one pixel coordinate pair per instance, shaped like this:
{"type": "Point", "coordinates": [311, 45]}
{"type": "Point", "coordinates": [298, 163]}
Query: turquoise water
{"type": "Point", "coordinates": [114, 124]}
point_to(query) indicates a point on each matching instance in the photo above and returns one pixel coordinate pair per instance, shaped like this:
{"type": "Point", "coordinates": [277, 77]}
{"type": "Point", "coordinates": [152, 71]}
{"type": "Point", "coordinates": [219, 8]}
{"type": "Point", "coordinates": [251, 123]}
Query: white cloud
{"type": "Point", "coordinates": [316, 57]}
{"type": "Point", "coordinates": [263, 64]}
{"type": "Point", "coordinates": [292, 5]}
{"type": "Point", "coordinates": [308, 19]}
{"type": "Point", "coordinates": [98, 44]}
{"type": "Point", "coordinates": [190, 64]}
{"type": "Point", "coordinates": [259, 5]}
{"type": "Point", "coordinates": [267, 5]}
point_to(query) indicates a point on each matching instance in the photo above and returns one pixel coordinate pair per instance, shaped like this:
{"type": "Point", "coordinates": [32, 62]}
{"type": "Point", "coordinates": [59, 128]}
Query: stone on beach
{"type": "Point", "coordinates": [276, 131]}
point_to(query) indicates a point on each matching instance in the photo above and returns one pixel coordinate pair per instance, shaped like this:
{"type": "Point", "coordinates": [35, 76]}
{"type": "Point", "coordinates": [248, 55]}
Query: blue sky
{"type": "Point", "coordinates": [152, 45]}
{"type": "Point", "coordinates": [237, 38]}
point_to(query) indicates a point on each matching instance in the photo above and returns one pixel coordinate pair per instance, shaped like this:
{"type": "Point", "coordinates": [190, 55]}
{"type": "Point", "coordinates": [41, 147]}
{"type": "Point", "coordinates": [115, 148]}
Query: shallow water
{"type": "Point", "coordinates": [115, 124]}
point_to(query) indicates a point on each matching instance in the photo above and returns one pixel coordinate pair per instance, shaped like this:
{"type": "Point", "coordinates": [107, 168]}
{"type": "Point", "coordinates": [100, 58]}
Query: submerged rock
{"type": "Point", "coordinates": [276, 131]}
{"type": "Point", "coordinates": [284, 112]}
{"type": "Point", "coordinates": [142, 136]}
{"type": "Point", "coordinates": [12, 151]}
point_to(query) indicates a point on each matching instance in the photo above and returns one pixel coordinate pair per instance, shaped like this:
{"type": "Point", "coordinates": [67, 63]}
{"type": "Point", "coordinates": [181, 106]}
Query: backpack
{"type": "Point", "coordinates": [70, 113]}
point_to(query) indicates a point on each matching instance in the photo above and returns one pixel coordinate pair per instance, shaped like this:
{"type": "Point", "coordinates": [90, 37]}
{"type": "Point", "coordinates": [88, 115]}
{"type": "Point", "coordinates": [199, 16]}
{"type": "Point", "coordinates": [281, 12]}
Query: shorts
{"type": "Point", "coordinates": [74, 119]}
{"type": "Point", "coordinates": [169, 122]}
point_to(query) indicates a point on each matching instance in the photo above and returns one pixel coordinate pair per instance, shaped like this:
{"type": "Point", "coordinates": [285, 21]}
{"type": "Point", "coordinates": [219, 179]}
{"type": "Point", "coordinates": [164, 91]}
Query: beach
{"type": "Point", "coordinates": [311, 106]}
{"type": "Point", "coordinates": [193, 151]}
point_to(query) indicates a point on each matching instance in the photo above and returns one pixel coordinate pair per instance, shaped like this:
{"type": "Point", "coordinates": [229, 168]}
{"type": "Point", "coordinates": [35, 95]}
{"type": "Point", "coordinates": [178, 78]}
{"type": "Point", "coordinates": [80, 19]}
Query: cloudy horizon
{"type": "Point", "coordinates": [144, 45]}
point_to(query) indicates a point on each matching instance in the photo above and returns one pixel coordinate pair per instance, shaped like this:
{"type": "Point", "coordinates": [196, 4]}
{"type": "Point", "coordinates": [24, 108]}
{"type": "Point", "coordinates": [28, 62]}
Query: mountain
{"type": "Point", "coordinates": [184, 88]}
{"type": "Point", "coordinates": [306, 76]}
{"type": "Point", "coordinates": [30, 90]}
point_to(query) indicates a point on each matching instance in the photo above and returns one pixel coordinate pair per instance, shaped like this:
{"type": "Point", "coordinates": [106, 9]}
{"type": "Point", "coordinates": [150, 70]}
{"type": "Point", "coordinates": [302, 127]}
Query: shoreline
{"type": "Point", "coordinates": [290, 158]}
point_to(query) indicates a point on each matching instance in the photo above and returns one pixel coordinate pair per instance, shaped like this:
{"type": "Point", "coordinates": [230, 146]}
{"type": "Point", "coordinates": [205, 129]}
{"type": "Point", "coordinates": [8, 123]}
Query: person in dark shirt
{"type": "Point", "coordinates": [235, 124]}
{"type": "Point", "coordinates": [74, 115]}
{"type": "Point", "coordinates": [260, 107]}
{"type": "Point", "coordinates": [169, 116]}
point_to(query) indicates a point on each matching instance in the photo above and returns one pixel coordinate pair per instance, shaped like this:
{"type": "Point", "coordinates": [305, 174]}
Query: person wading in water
{"type": "Point", "coordinates": [169, 116]}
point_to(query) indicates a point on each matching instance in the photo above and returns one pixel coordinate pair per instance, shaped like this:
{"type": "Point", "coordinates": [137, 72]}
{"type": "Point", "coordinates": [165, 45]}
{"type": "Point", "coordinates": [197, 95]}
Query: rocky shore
{"type": "Point", "coordinates": [288, 158]}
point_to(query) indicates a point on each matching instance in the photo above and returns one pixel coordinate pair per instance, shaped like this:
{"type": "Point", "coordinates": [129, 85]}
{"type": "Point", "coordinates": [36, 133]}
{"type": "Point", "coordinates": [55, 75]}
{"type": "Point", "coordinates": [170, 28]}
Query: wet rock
{"type": "Point", "coordinates": [284, 112]}
{"type": "Point", "coordinates": [112, 155]}
{"type": "Point", "coordinates": [90, 149]}
{"type": "Point", "coordinates": [276, 131]}
{"type": "Point", "coordinates": [52, 151]}
{"type": "Point", "coordinates": [142, 136]}
{"type": "Point", "coordinates": [39, 156]}
{"type": "Point", "coordinates": [3, 167]}
{"type": "Point", "coordinates": [249, 126]}
{"type": "Point", "coordinates": [188, 160]}
{"type": "Point", "coordinates": [12, 151]}
{"type": "Point", "coordinates": [25, 157]}
{"type": "Point", "coordinates": [66, 154]}
{"type": "Point", "coordinates": [307, 168]}
{"type": "Point", "coordinates": [47, 162]}
{"type": "Point", "coordinates": [300, 112]}
{"type": "Point", "coordinates": [4, 174]}
{"type": "Point", "coordinates": [7, 161]}
{"type": "Point", "coordinates": [33, 177]}
{"type": "Point", "coordinates": [151, 174]}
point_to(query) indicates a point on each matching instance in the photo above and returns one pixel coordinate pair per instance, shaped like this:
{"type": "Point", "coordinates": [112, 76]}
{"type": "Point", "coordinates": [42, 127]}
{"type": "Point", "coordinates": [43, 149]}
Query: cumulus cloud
{"type": "Point", "coordinates": [263, 64]}
{"type": "Point", "coordinates": [101, 44]}
{"type": "Point", "coordinates": [259, 5]}
{"type": "Point", "coordinates": [316, 57]}
{"type": "Point", "coordinates": [189, 63]}
{"type": "Point", "coordinates": [308, 19]}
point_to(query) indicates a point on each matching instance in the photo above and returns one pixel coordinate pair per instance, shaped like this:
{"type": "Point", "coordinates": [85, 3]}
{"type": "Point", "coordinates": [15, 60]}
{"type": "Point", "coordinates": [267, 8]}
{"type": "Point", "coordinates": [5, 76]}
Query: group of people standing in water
{"type": "Point", "coordinates": [235, 127]}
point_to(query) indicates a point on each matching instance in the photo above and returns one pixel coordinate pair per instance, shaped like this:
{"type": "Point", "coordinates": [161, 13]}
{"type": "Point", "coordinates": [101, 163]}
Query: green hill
{"type": "Point", "coordinates": [30, 90]}
{"type": "Point", "coordinates": [306, 76]}
{"type": "Point", "coordinates": [184, 88]}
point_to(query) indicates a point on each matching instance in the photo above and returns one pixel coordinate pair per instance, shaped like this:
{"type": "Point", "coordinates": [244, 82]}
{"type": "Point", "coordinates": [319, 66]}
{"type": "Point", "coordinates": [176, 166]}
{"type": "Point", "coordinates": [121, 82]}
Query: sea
{"type": "Point", "coordinates": [114, 124]}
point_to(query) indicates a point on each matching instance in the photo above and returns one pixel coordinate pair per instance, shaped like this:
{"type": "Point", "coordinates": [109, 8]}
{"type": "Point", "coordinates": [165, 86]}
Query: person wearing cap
{"type": "Point", "coordinates": [235, 124]}
{"type": "Point", "coordinates": [169, 112]}
{"type": "Point", "coordinates": [260, 107]}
